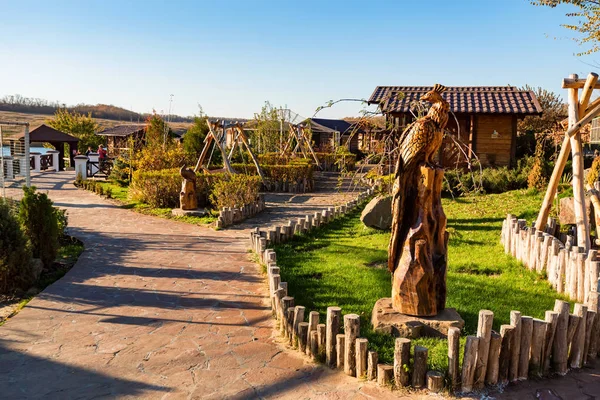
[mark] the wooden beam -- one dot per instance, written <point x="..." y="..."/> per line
<point x="242" y="136"/>
<point x="212" y="127"/>
<point x="576" y="83"/>
<point x="586" y="93"/>
<point x="581" y="218"/>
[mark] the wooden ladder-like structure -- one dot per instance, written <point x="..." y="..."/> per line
<point x="581" y="112"/>
<point x="298" y="135"/>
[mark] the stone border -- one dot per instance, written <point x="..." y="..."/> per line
<point x="233" y="215"/>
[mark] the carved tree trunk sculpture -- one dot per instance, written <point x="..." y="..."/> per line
<point x="187" y="196"/>
<point x="419" y="280"/>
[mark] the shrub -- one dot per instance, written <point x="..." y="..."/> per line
<point x="594" y="173"/>
<point x="235" y="190"/>
<point x="537" y="176"/>
<point x="15" y="253"/>
<point x="120" y="172"/>
<point x="156" y="158"/>
<point x="41" y="224"/>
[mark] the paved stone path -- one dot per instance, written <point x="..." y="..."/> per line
<point x="154" y="309"/>
<point x="160" y="309"/>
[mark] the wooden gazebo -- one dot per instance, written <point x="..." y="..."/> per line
<point x="47" y="134"/>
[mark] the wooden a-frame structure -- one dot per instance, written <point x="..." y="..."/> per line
<point x="216" y="136"/>
<point x="581" y="112"/>
<point x="302" y="143"/>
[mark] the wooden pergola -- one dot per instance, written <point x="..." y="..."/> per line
<point x="581" y="112"/>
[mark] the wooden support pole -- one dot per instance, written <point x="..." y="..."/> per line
<point x="513" y="372"/>
<point x="286" y="304"/>
<point x="302" y="336"/>
<point x="586" y="93"/>
<point x="574" y="321"/>
<point x="401" y="361"/>
<point x="484" y="333"/>
<point x="298" y="318"/>
<point x="589" y="325"/>
<point x="538" y="342"/>
<point x="506" y="332"/>
<point x="469" y="363"/>
<point x="491" y="375"/>
<point x="314" y="344"/>
<point x="578" y="345"/>
<point x="593" y="304"/>
<point x="435" y="381"/>
<point x="385" y="375"/>
<point x="526" y="334"/>
<point x="340" y="344"/>
<point x="362" y="345"/>
<point x="334" y="316"/>
<point x="560" y="345"/>
<point x="321" y="333"/>
<point x="351" y="330"/>
<point x="313" y="321"/>
<point x="372" y="359"/>
<point x="552" y="321"/>
<point x="580" y="265"/>
<point x="290" y="325"/>
<point x="453" y="356"/>
<point x="419" y="367"/>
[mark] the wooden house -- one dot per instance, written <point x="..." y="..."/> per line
<point x="485" y="118"/>
<point x="120" y="137"/>
<point x="328" y="134"/>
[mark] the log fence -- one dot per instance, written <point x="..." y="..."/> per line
<point x="233" y="215"/>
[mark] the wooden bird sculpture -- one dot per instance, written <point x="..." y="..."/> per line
<point x="187" y="196"/>
<point x="418" y="144"/>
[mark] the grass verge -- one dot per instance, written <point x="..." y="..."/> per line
<point x="345" y="264"/>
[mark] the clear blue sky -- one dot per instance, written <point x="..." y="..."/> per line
<point x="231" y="56"/>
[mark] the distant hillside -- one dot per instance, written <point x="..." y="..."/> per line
<point x="29" y="105"/>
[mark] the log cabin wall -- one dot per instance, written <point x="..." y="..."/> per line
<point x="494" y="139"/>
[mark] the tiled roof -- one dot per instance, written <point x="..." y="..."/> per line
<point x="332" y="125"/>
<point x="462" y="99"/>
<point x="45" y="133"/>
<point x="122" y="130"/>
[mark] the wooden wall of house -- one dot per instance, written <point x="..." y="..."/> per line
<point x="494" y="151"/>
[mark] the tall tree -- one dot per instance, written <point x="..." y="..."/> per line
<point x="553" y="111"/>
<point x="82" y="126"/>
<point x="586" y="21"/>
<point x="193" y="140"/>
<point x="267" y="133"/>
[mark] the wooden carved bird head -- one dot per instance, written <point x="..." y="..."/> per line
<point x="434" y="95"/>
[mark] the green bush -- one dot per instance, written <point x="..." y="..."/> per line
<point x="15" y="252"/>
<point x="41" y="223"/>
<point x="235" y="190"/>
<point x="489" y="180"/>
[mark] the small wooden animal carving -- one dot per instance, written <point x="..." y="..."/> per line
<point x="187" y="196"/>
<point x="417" y="249"/>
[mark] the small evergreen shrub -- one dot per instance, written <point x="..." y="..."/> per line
<point x="41" y="224"/>
<point x="15" y="252"/>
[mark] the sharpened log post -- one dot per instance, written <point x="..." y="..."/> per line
<point x="560" y="347"/>
<point x="302" y="336"/>
<point x="334" y="316"/>
<point x="362" y="345"/>
<point x="351" y="330"/>
<point x="313" y="321"/>
<point x="372" y="359"/>
<point x="469" y="363"/>
<point x="435" y="381"/>
<point x="340" y="340"/>
<point x="453" y="356"/>
<point x="419" y="367"/>
<point x="590" y="319"/>
<point x="515" y="320"/>
<point x="551" y="319"/>
<point x="491" y="375"/>
<point x="314" y="344"/>
<point x="574" y="321"/>
<point x="578" y="344"/>
<point x="526" y="335"/>
<point x="593" y="304"/>
<point x="538" y="342"/>
<point x="484" y="332"/>
<point x="385" y="374"/>
<point x="286" y="304"/>
<point x="581" y="277"/>
<point x="401" y="361"/>
<point x="507" y="334"/>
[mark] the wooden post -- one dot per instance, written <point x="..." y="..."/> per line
<point x="469" y="363"/>
<point x="286" y="304"/>
<point x="419" y="367"/>
<point x="453" y="356"/>
<point x="560" y="270"/>
<point x="340" y="340"/>
<point x="526" y="334"/>
<point x="593" y="304"/>
<point x="589" y="325"/>
<point x="560" y="345"/>
<point x="574" y="321"/>
<point x="491" y="375"/>
<point x="401" y="361"/>
<point x="298" y="318"/>
<point x="372" y="359"/>
<point x="291" y="312"/>
<point x="302" y="336"/>
<point x="578" y="345"/>
<point x="506" y="332"/>
<point x="351" y="330"/>
<point x="361" y="357"/>
<point x="552" y="321"/>
<point x="314" y="344"/>
<point x="334" y="316"/>
<point x="435" y="381"/>
<point x="385" y="374"/>
<point x="484" y="332"/>
<point x="538" y="342"/>
<point x="321" y="333"/>
<point x="515" y="320"/>
<point x="313" y="321"/>
<point x="581" y="277"/>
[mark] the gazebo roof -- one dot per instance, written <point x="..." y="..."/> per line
<point x="44" y="133"/>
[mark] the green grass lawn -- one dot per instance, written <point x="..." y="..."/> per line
<point x="121" y="194"/>
<point x="345" y="264"/>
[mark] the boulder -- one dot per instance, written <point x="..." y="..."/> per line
<point x="378" y="213"/>
<point x="566" y="215"/>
